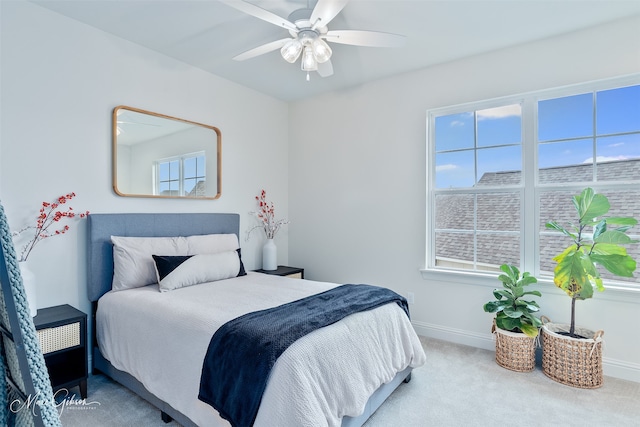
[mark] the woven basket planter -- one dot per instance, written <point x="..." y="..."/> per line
<point x="572" y="361"/>
<point x="514" y="350"/>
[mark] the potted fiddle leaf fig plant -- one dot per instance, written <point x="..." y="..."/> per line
<point x="596" y="241"/>
<point x="515" y="325"/>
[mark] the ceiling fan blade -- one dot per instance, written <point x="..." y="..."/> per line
<point x="136" y="123"/>
<point x="260" y="13"/>
<point x="325" y="69"/>
<point x="365" y="38"/>
<point x="325" y="11"/>
<point x="260" y="50"/>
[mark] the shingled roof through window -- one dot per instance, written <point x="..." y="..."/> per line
<point x="501" y="212"/>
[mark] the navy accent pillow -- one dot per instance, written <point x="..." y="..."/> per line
<point x="242" y="272"/>
<point x="179" y="271"/>
<point x="166" y="264"/>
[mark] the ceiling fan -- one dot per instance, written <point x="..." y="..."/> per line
<point x="308" y="30"/>
<point x="120" y="130"/>
<point x="128" y="121"/>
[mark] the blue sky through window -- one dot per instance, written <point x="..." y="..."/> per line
<point x="469" y="145"/>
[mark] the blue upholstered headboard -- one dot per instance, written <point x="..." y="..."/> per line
<point x="103" y="226"/>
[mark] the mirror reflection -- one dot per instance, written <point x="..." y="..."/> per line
<point x="162" y="156"/>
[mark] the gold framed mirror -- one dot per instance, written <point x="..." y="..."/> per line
<point x="162" y="156"/>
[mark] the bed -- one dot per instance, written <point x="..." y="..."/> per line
<point x="154" y="342"/>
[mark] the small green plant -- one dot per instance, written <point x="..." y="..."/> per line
<point x="514" y="313"/>
<point x="576" y="272"/>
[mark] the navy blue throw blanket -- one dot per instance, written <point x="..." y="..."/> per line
<point x="243" y="351"/>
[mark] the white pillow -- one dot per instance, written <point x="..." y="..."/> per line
<point x="133" y="264"/>
<point x="174" y="272"/>
<point x="212" y="243"/>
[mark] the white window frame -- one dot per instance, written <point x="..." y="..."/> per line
<point x="181" y="159"/>
<point x="529" y="214"/>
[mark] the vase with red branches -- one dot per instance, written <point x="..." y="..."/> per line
<point x="270" y="225"/>
<point x="49" y="222"/>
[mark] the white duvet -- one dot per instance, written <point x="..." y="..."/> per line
<point x="161" y="338"/>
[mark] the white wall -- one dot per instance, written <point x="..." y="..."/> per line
<point x="357" y="183"/>
<point x="350" y="176"/>
<point x="60" y="82"/>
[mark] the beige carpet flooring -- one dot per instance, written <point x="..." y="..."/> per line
<point x="459" y="386"/>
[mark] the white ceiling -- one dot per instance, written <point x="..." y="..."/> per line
<point x="208" y="34"/>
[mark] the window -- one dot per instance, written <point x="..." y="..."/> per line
<point x="181" y="176"/>
<point x="478" y="164"/>
<point x="499" y="170"/>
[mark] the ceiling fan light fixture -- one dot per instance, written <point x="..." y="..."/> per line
<point x="291" y="50"/>
<point x="321" y="50"/>
<point x="309" y="29"/>
<point x="309" y="62"/>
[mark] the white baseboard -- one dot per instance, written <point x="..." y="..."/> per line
<point x="458" y="336"/>
<point x="612" y="367"/>
<point x="621" y="369"/>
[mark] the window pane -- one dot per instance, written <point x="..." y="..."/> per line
<point x="174" y="169"/>
<point x="497" y="249"/>
<point x="164" y="188"/>
<point x="550" y="246"/>
<point x="499" y="126"/>
<point x="569" y="161"/>
<point x="624" y="170"/>
<point x="455" y="170"/>
<point x="454" y="132"/>
<point x="494" y="211"/>
<point x="558" y="206"/>
<point x="555" y="206"/>
<point x="499" y="166"/>
<point x="200" y="166"/>
<point x="565" y="153"/>
<point x="189" y="185"/>
<point x="568" y="117"/>
<point x="626" y="203"/>
<point x="169" y="188"/>
<point x="189" y="167"/>
<point x="454" y="250"/>
<point x="499" y="212"/>
<point x="622" y="148"/>
<point x="200" y="189"/>
<point x="174" y="188"/>
<point x="618" y="110"/>
<point x="163" y="173"/>
<point x="454" y="212"/>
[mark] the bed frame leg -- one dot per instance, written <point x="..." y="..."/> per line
<point x="166" y="418"/>
<point x="407" y="379"/>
